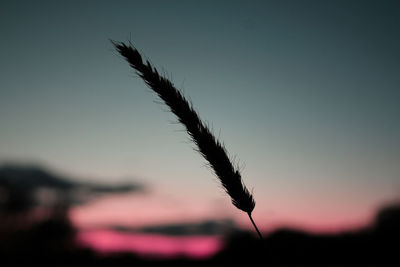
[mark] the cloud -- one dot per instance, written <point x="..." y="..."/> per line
<point x="203" y="228"/>
<point x="23" y="187"/>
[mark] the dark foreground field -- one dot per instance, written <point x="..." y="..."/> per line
<point x="51" y="242"/>
<point x="26" y="241"/>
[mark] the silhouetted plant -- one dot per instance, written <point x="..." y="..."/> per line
<point x="207" y="145"/>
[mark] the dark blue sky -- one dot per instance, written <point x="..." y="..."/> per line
<point x="305" y="93"/>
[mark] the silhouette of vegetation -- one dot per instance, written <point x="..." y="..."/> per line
<point x="372" y="246"/>
<point x="207" y="145"/>
<point x="25" y="241"/>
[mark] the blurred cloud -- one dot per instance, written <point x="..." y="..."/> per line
<point x="203" y="228"/>
<point x="25" y="186"/>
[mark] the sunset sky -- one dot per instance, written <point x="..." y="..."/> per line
<point x="304" y="94"/>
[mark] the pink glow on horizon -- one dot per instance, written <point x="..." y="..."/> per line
<point x="318" y="223"/>
<point x="137" y="210"/>
<point x="151" y="245"/>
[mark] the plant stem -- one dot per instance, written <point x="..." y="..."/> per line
<point x="255" y="226"/>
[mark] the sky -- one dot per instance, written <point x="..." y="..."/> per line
<point x="304" y="94"/>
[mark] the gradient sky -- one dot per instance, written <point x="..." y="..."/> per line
<point x="305" y="94"/>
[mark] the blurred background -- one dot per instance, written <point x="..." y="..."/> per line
<point x="304" y="96"/>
